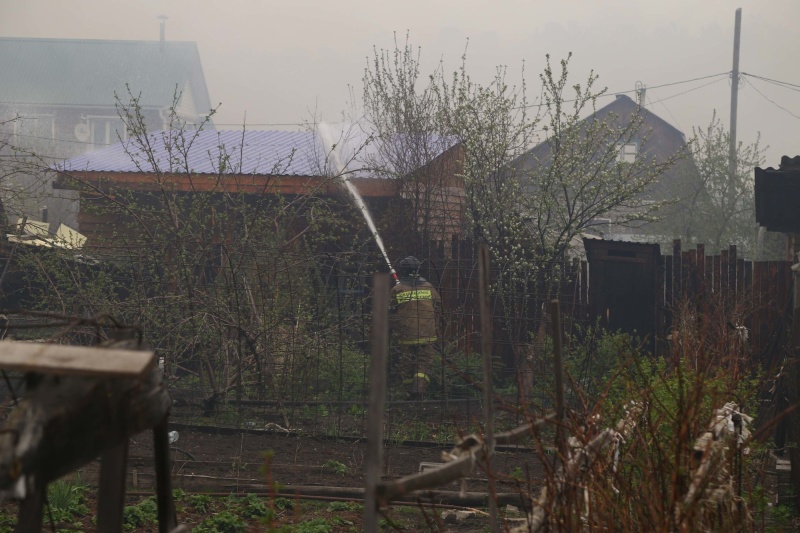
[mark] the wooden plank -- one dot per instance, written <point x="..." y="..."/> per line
<point x="668" y="266"/>
<point x="677" y="288"/>
<point x="693" y="281"/>
<point x="740" y="273"/>
<point x="700" y="277"/>
<point x="723" y="272"/>
<point x="584" y="282"/>
<point x="732" y="269"/>
<point x="74" y="360"/>
<point x="685" y="265"/>
<point x="755" y="287"/>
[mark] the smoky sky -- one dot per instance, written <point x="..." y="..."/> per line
<point x="277" y="63"/>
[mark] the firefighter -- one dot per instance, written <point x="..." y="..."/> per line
<point x="415" y="306"/>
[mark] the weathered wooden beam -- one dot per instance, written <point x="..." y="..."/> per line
<point x="65" y="422"/>
<point x="468" y="453"/>
<point x="74" y="360"/>
<point x="30" y="510"/>
<point x="111" y="492"/>
<point x="377" y="399"/>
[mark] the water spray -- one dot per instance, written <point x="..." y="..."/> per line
<point x="329" y="144"/>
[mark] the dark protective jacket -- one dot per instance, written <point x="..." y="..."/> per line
<point x="414" y="305"/>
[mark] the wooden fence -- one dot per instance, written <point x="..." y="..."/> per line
<point x="757" y="293"/>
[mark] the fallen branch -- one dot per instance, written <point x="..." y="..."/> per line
<point x="461" y="461"/>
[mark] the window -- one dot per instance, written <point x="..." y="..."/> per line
<point x="32" y="128"/>
<point x="626" y="153"/>
<point x="106" y="130"/>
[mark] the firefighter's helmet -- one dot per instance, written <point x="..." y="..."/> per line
<point x="409" y="267"/>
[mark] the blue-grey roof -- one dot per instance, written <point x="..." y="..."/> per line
<point x="84" y="72"/>
<point x="284" y="153"/>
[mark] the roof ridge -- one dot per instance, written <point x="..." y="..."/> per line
<point x="98" y="41"/>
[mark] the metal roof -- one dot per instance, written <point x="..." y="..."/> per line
<point x="86" y="72"/>
<point x="252" y="152"/>
<point x="284" y="153"/>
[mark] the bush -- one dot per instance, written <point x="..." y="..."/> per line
<point x="144" y="513"/>
<point x="222" y="522"/>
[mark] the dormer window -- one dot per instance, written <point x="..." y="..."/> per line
<point x="626" y="153"/>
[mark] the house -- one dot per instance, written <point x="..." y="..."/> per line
<point x="66" y="89"/>
<point x="654" y="139"/>
<point x="58" y="99"/>
<point x="259" y="165"/>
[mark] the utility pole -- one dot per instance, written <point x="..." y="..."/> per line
<point x="737" y="32"/>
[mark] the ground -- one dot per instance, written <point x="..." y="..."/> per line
<point x="210" y="465"/>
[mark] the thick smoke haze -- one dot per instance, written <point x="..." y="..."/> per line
<point x="275" y="63"/>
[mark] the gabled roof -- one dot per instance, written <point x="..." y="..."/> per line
<point x="622" y="108"/>
<point x="84" y="72"/>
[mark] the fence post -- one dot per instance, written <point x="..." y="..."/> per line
<point x="488" y="396"/>
<point x="561" y="430"/>
<point x="377" y="398"/>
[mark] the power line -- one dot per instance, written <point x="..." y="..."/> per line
<point x="776" y="104"/>
<point x="688" y="91"/>
<point x="784" y="84"/>
<point x="609" y="93"/>
<point x="668" y="111"/>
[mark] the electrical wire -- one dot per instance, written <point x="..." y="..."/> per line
<point x="610" y="93"/>
<point x="668" y="111"/>
<point x="773" y="102"/>
<point x="784" y="84"/>
<point x="260" y="124"/>
<point x="688" y="91"/>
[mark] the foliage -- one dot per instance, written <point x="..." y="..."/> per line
<point x="8" y="522"/>
<point x="721" y="209"/>
<point x="222" y="522"/>
<point x="594" y="355"/>
<point x="283" y="503"/>
<point x="661" y="470"/>
<point x="200" y="502"/>
<point x="316" y="525"/>
<point x="254" y="507"/>
<point x="230" y="287"/>
<point x="526" y="206"/>
<point x="144" y="513"/>
<point x="67" y="500"/>
<point x="336" y="467"/>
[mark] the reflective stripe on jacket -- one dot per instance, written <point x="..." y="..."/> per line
<point x="413" y="319"/>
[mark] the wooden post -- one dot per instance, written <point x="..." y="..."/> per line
<point x="111" y="491"/>
<point x="558" y="369"/>
<point x="488" y="396"/>
<point x="167" y="520"/>
<point x="561" y="431"/>
<point x="30" y="509"/>
<point x="377" y="398"/>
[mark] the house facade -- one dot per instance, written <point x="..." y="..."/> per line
<point x="654" y="139"/>
<point x="59" y="98"/>
<point x="254" y="166"/>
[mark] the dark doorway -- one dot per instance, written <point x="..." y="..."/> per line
<point x="622" y="286"/>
